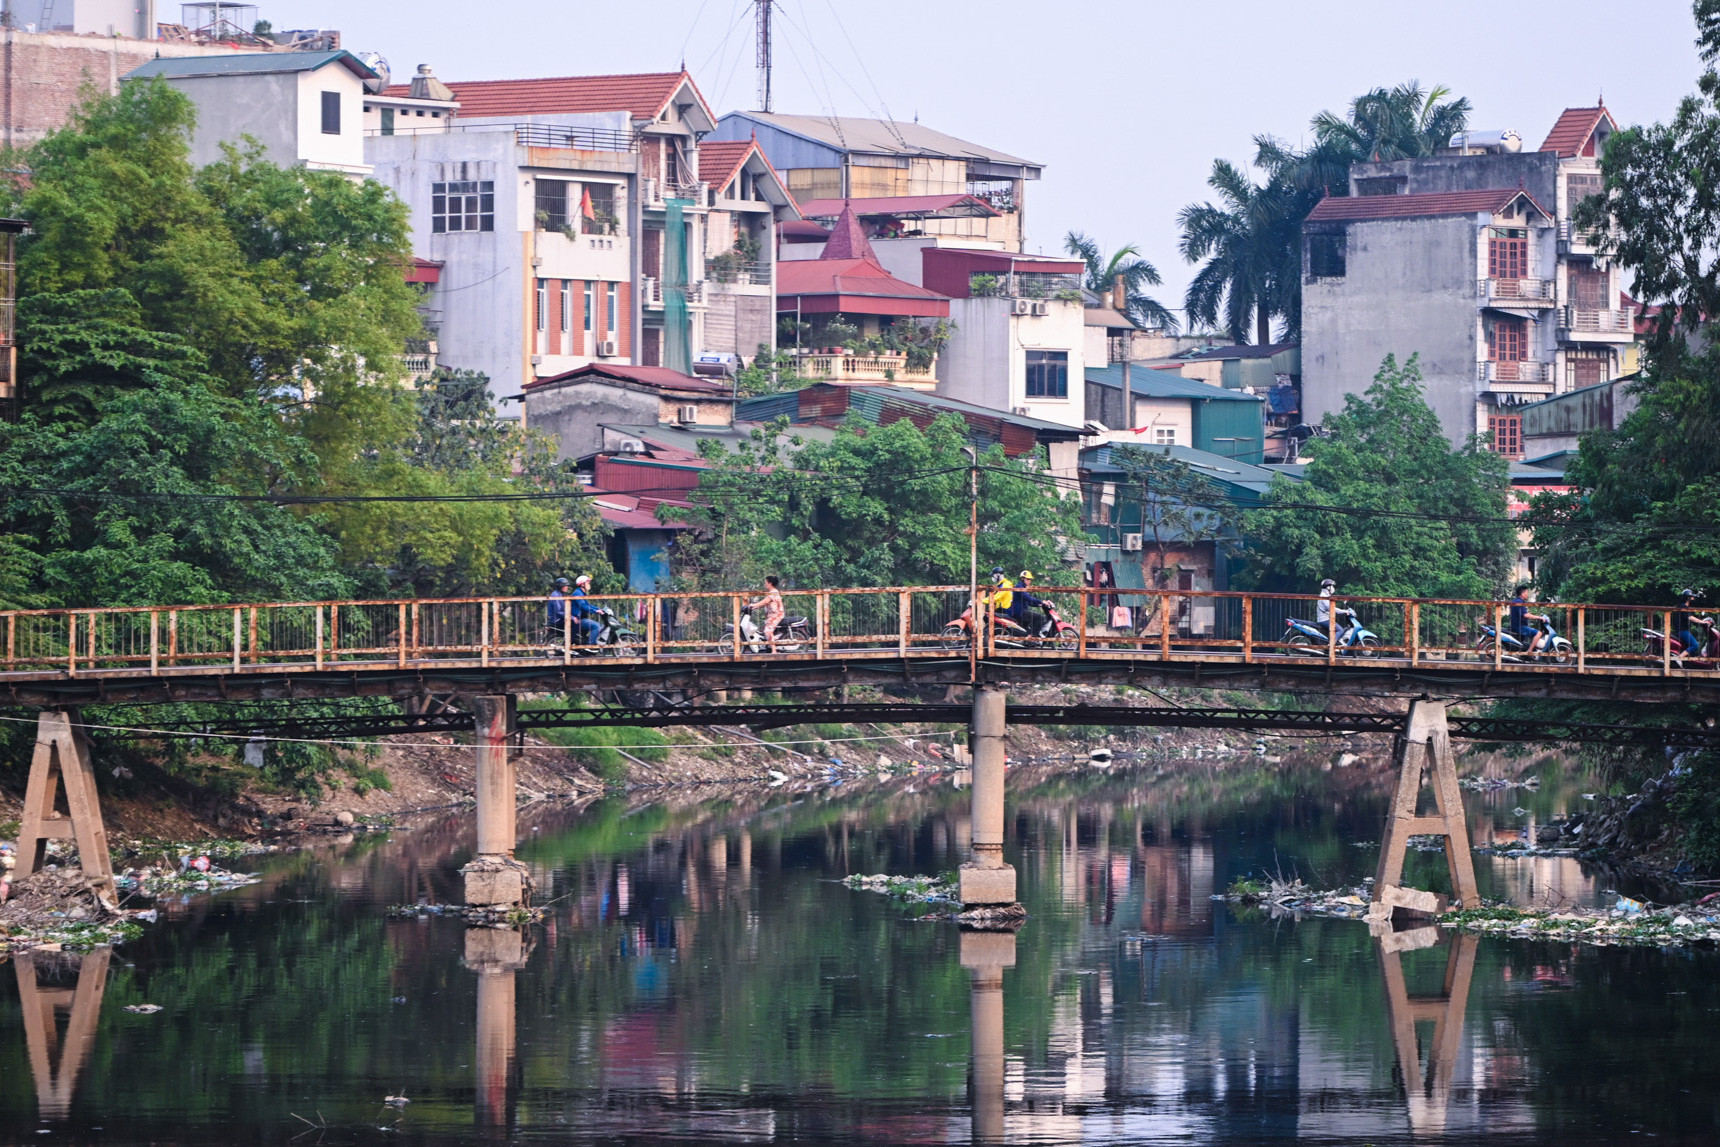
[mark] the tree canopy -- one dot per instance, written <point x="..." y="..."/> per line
<point x="1386" y="506"/>
<point x="1126" y="263"/>
<point x="875" y="505"/>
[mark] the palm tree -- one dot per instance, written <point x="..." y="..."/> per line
<point x="1252" y="247"/>
<point x="1135" y="271"/>
<point x="1384" y="124"/>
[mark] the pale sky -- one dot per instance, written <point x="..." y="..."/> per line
<point x="1125" y="102"/>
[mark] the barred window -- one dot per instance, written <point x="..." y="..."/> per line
<point x="464" y="205"/>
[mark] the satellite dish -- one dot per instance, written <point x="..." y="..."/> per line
<point x="377" y="63"/>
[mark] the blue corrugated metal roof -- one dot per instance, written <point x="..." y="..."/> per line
<point x="1150" y="383"/>
<point x="1243" y="475"/>
<point x="249" y="63"/>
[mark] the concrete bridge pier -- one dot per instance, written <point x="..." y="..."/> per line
<point x="986" y="955"/>
<point x="494" y="879"/>
<point x="985" y="881"/>
<point x="56" y="1063"/>
<point x="1424" y="755"/>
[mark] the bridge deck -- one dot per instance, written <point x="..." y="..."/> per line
<point x="1232" y="640"/>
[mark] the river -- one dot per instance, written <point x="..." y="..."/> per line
<point x="700" y="977"/>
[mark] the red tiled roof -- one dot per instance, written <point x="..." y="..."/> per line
<point x="660" y="377"/>
<point x="901" y="207"/>
<point x="1349" y="207"/>
<point x="720" y="159"/>
<point x="847" y="241"/>
<point x="1574" y="128"/>
<point x="644" y="94"/>
<point x="863" y="278"/>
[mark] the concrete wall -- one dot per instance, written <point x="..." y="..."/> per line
<point x="343" y="152"/>
<point x="1537" y="172"/>
<point x="283" y="112"/>
<point x="985" y="361"/>
<point x="1155" y="414"/>
<point x="483" y="294"/>
<point x="1409" y="288"/>
<point x="43" y="75"/>
<point x="572" y="414"/>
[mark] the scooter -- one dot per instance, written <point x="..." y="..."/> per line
<point x="1514" y="648"/>
<point x="1707" y="656"/>
<point x="1308" y="639"/>
<point x="611" y="639"/>
<point x="1011" y="634"/>
<point x="792" y="634"/>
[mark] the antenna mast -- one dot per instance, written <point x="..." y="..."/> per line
<point x="763" y="54"/>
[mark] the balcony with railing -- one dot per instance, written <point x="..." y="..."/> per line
<point x="550" y="135"/>
<point x="1517" y="374"/>
<point x="1581" y="324"/>
<point x="1516" y="293"/>
<point x="655" y="192"/>
<point x="889" y="369"/>
<point x="651" y="293"/>
<point x="1573" y="240"/>
<point x="1026" y="285"/>
<point x="726" y="272"/>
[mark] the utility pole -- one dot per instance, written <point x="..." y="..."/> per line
<point x="973" y="561"/>
<point x="763" y="53"/>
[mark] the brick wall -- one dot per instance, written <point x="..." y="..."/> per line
<point x="43" y="74"/>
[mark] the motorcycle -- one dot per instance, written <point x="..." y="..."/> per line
<point x="612" y="637"/>
<point x="1515" y="648"/>
<point x="1011" y="634"/>
<point x="1707" y="655"/>
<point x="793" y="634"/>
<point x="1306" y="638"/>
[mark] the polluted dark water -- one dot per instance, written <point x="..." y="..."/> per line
<point x="700" y="977"/>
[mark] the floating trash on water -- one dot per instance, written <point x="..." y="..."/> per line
<point x="396" y="1100"/>
<point x="143" y="1009"/>
<point x="1628" y="906"/>
<point x="1519" y="811"/>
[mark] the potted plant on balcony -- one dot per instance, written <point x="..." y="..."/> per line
<point x="983" y="286"/>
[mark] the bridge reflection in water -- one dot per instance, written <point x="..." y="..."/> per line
<point x="57" y="1061"/>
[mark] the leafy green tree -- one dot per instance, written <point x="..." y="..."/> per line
<point x="1251" y="245"/>
<point x="1136" y="272"/>
<point x="1387" y="507"/>
<point x="876" y="505"/>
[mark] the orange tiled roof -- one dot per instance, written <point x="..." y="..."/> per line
<point x="644" y="94"/>
<point x="720" y="159"/>
<point x="1574" y="128"/>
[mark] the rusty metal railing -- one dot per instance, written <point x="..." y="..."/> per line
<point x="893" y="622"/>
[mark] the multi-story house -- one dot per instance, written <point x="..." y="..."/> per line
<point x="829" y="159"/>
<point x="578" y="220"/>
<point x="1470" y="259"/>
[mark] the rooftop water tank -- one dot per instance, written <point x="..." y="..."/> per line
<point x="1504" y="140"/>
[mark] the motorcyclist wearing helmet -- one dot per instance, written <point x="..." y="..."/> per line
<point x="555" y="610"/>
<point x="1003" y="591"/>
<point x="1681" y="623"/>
<point x="1025" y="603"/>
<point x="1518" y="620"/>
<point x="1328" y="607"/>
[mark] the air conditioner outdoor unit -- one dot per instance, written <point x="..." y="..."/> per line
<point x="1021" y="410"/>
<point x="1021" y="307"/>
<point x="1038" y="309"/>
<point x="689" y="413"/>
<point x="537" y="360"/>
<point x="632" y="446"/>
<point x="606" y="348"/>
<point x="1131" y="543"/>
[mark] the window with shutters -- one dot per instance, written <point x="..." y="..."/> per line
<point x="1507" y="432"/>
<point x="1507" y="253"/>
<point x="1587" y="368"/>
<point x="463" y="205"/>
<point x="1588" y="287"/>
<point x="590" y="310"/>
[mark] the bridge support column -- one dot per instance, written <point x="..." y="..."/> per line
<point x="1425" y="748"/>
<point x="986" y="881"/>
<point x="1428" y="1091"/>
<point x="494" y="879"/>
<point x="56" y="1064"/>
<point x="986" y="955"/>
<point x="62" y="757"/>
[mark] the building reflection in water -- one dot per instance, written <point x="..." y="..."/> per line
<point x="76" y="985"/>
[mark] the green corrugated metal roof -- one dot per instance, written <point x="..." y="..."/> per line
<point x="1246" y="477"/>
<point x="1150" y="383"/>
<point x="248" y="63"/>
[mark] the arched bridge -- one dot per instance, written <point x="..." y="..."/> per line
<point x="418" y="647"/>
